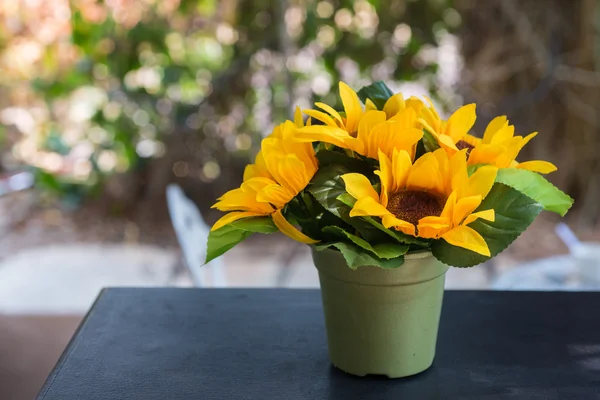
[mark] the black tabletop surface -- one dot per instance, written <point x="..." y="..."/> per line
<point x="145" y="344"/>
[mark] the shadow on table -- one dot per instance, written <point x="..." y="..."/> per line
<point x="423" y="386"/>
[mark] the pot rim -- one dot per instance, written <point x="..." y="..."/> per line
<point x="419" y="267"/>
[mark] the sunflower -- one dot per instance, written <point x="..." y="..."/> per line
<point x="432" y="198"/>
<point x="451" y="135"/>
<point x="499" y="147"/>
<point x="282" y="169"/>
<point x="366" y="131"/>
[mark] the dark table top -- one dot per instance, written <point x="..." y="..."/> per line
<point x="270" y="344"/>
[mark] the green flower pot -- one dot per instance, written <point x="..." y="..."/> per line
<point x="381" y="321"/>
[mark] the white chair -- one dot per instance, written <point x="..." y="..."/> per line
<point x="192" y="234"/>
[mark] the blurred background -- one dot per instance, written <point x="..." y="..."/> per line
<point x="104" y="104"/>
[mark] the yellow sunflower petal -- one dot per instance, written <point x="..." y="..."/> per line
<point x="486" y="154"/>
<point x="290" y="230"/>
<point x="368" y="206"/>
<point x="276" y="195"/>
<point x="401" y="164"/>
<point x="370" y="106"/>
<point x="432" y="109"/>
<point x="369" y="121"/>
<point x="293" y="173"/>
<point x="232" y="217"/>
<point x="255" y="171"/>
<point x="444" y="167"/>
<point x="425" y="175"/>
<point x="488" y="215"/>
<point x="406" y="140"/>
<point x="482" y="180"/>
<point x="258" y="169"/>
<point x="448" y="211"/>
<point x="512" y="147"/>
<point x="386" y="176"/>
<point x="468" y="238"/>
<point x="331" y="111"/>
<point x="464" y="207"/>
<point x="459" y="173"/>
<point x="298" y="119"/>
<point x="379" y="138"/>
<point x="352" y="107"/>
<point x="434" y="220"/>
<point x="359" y="187"/>
<point x="432" y="227"/>
<point x="503" y="134"/>
<point x="406" y="119"/>
<point x="327" y="134"/>
<point x="542" y="167"/>
<point x="461" y="122"/>
<point x="447" y="142"/>
<point x="427" y="126"/>
<point x="394" y="105"/>
<point x="494" y="126"/>
<point x="255" y="185"/>
<point x="321" y="116"/>
<point x="390" y="221"/>
<point x="415" y="103"/>
<point x="239" y="200"/>
<point x="527" y="139"/>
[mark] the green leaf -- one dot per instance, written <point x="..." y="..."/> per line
<point x="347" y="199"/>
<point x="225" y="238"/>
<point x="514" y="213"/>
<point x="382" y="250"/>
<point x="390" y="250"/>
<point x="312" y="216"/>
<point x="356" y="257"/>
<point x="377" y="92"/>
<point x="326" y="186"/>
<point x="537" y="187"/>
<point x="420" y="150"/>
<point x="429" y="141"/>
<point x="255" y="224"/>
<point x="331" y="157"/>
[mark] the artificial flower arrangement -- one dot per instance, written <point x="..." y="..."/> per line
<point x="387" y="185"/>
<point x="388" y="176"/>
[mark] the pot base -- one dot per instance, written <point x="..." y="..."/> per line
<point x="389" y="374"/>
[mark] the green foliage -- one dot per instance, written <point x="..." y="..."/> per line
<point x="377" y="92"/>
<point x="170" y="79"/>
<point x="537" y="187"/>
<point x="326" y="186"/>
<point x="352" y="164"/>
<point x="311" y="216"/>
<point x="381" y="250"/>
<point x="356" y="257"/>
<point x="514" y="213"/>
<point x="429" y="142"/>
<point x="223" y="239"/>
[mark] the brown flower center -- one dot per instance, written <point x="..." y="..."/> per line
<point x="461" y="144"/>
<point x="412" y="205"/>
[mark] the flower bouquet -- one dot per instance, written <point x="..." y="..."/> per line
<point x="388" y="194"/>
